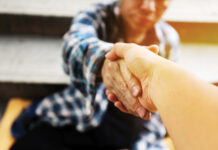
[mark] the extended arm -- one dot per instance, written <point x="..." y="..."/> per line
<point x="188" y="106"/>
<point x="84" y="54"/>
<point x="83" y="51"/>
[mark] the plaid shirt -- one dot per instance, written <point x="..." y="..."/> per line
<point x="83" y="103"/>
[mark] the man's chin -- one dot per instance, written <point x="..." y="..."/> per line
<point x="143" y="27"/>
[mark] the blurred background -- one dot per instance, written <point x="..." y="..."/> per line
<point x="31" y="36"/>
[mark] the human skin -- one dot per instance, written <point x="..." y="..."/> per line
<point x="138" y="16"/>
<point x="118" y="80"/>
<point x="187" y="105"/>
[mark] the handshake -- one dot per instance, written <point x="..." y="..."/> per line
<point x="128" y="77"/>
<point x="139" y="82"/>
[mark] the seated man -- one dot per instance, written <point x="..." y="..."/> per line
<point x="80" y="116"/>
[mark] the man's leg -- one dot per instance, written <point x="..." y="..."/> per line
<point x="43" y="137"/>
<point x="46" y="137"/>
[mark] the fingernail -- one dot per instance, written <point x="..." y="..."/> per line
<point x="135" y="90"/>
<point x="141" y="112"/>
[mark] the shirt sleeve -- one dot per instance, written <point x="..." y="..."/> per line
<point x="83" y="54"/>
<point x="83" y="51"/>
<point x="170" y="42"/>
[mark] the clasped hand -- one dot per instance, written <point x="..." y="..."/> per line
<point x="124" y="88"/>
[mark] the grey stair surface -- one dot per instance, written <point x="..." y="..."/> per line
<point x="196" y="20"/>
<point x="180" y="10"/>
<point x="201" y="59"/>
<point x="31" y="37"/>
<point x="30" y="66"/>
<point x="30" y="59"/>
<point x="34" y="25"/>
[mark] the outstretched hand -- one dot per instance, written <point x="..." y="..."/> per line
<point x="134" y="57"/>
<point x="123" y="85"/>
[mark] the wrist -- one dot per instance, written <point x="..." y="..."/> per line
<point x="161" y="83"/>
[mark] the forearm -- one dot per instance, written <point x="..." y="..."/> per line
<point x="188" y="106"/>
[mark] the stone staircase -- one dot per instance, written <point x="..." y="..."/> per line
<point x="31" y="42"/>
<point x="31" y="36"/>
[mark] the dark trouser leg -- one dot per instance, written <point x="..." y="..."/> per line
<point x="117" y="130"/>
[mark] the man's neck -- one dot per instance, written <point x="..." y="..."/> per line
<point x="134" y="35"/>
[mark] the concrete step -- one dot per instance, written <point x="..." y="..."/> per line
<point x="180" y="10"/>
<point x="196" y="20"/>
<point x="31" y="59"/>
<point x="201" y="59"/>
<point x="31" y="65"/>
<point x="41" y="17"/>
<point x="12" y="24"/>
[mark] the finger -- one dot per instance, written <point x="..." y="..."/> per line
<point x="120" y="106"/>
<point x="147" y="103"/>
<point x="154" y="48"/>
<point x="118" y="51"/>
<point x="148" y="116"/>
<point x="141" y="112"/>
<point x="111" y="55"/>
<point x="112" y="98"/>
<point x="132" y="82"/>
<point x="107" y="92"/>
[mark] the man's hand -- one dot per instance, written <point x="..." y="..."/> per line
<point x="141" y="62"/>
<point x="123" y="86"/>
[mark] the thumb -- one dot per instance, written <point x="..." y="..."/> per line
<point x="146" y="102"/>
<point x="118" y="51"/>
<point x="153" y="48"/>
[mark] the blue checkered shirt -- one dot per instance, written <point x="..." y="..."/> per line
<point x="83" y="103"/>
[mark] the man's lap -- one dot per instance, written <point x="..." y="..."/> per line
<point x="116" y="131"/>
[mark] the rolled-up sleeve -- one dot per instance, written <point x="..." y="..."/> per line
<point x="83" y="51"/>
